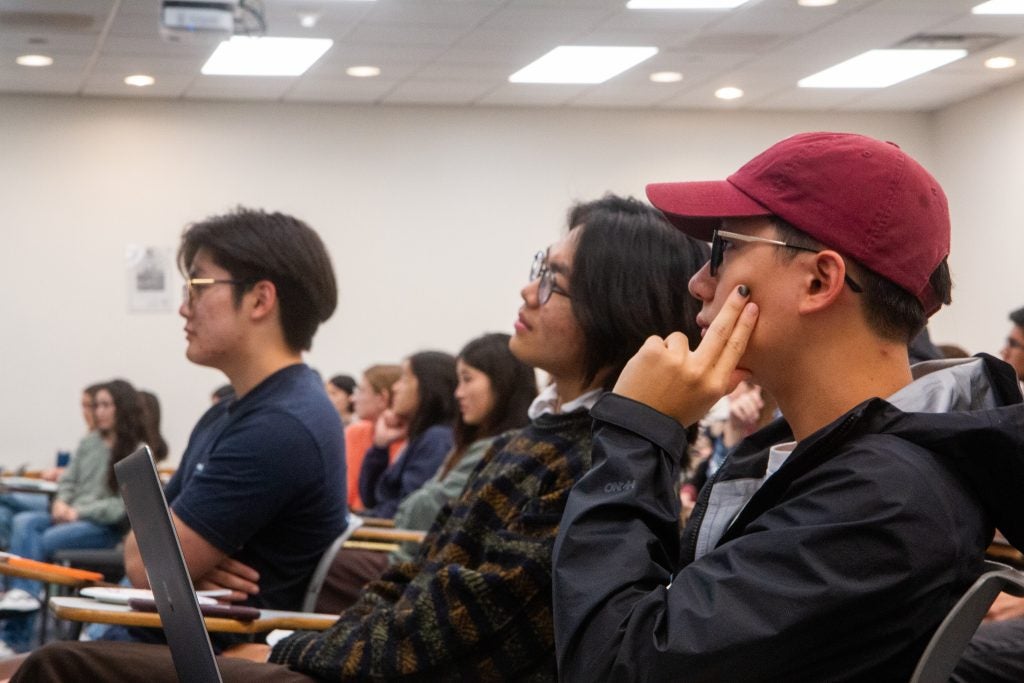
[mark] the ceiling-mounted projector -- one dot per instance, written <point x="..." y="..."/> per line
<point x="192" y="18"/>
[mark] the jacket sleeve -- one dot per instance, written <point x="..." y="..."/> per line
<point x="423" y="462"/>
<point x="374" y="463"/>
<point x="871" y="537"/>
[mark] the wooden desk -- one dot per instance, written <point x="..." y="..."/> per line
<point x="62" y="576"/>
<point x="386" y="535"/>
<point x="28" y="485"/>
<point x="94" y="611"/>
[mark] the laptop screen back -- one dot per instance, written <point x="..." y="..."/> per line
<point x="165" y="566"/>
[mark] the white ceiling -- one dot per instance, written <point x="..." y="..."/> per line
<point x="461" y="52"/>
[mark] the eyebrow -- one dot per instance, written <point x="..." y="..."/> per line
<point x="559" y="268"/>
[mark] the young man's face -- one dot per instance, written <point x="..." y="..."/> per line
<point x="1013" y="350"/>
<point x="548" y="336"/>
<point x="756" y="265"/>
<point x="214" y="326"/>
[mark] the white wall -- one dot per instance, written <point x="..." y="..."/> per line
<point x="980" y="151"/>
<point x="431" y="216"/>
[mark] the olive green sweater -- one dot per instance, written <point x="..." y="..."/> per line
<point x="84" y="487"/>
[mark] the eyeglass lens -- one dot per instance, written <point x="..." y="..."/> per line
<point x="539" y="269"/>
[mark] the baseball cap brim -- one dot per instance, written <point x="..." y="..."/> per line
<point x="696" y="207"/>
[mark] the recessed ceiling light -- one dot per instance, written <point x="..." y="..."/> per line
<point x="684" y="4"/>
<point x="999" y="7"/>
<point x="1000" y="62"/>
<point x="666" y="76"/>
<point x="363" y="71"/>
<point x="880" y="68"/>
<point x="34" y="60"/>
<point x="308" y="19"/>
<point x="249" y="56"/>
<point x="728" y="93"/>
<point x="582" y="64"/>
<point x="140" y="80"/>
<point x="816" y="3"/>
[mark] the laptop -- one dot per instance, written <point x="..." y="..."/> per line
<point x="172" y="588"/>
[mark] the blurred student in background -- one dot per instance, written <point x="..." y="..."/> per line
<point x="87" y="512"/>
<point x="340" y="389"/>
<point x="494" y="392"/>
<point x="371" y="397"/>
<point x="422" y="413"/>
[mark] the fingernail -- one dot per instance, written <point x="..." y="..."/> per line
<point x="743" y="290"/>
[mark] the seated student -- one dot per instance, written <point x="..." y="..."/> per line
<point x="422" y="414"/>
<point x="259" y="494"/>
<point x="87" y="511"/>
<point x="13" y="503"/>
<point x="372" y="396"/>
<point x="495" y="390"/>
<point x="475" y="602"/>
<point x="829" y="546"/>
<point x="340" y="389"/>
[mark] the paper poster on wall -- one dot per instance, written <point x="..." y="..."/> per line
<point x="149" y="274"/>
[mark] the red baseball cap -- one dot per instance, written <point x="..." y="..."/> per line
<point x="867" y="199"/>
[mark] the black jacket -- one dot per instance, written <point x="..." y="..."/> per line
<point x="839" y="568"/>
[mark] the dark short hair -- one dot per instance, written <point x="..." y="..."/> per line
<point x="629" y="281"/>
<point x="254" y="245"/>
<point x="435" y="374"/>
<point x="345" y="383"/>
<point x="1017" y="317"/>
<point x="513" y="383"/>
<point x="891" y="311"/>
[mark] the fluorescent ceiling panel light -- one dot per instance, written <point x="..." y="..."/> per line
<point x="880" y="68"/>
<point x="816" y="3"/>
<point x="248" y="56"/>
<point x="582" y="64"/>
<point x="999" y="7"/>
<point x="684" y="4"/>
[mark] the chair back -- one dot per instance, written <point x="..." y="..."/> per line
<point x="316" y="581"/>
<point x="948" y="643"/>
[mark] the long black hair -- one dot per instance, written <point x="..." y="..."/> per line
<point x="129" y="429"/>
<point x="149" y="404"/>
<point x="629" y="280"/>
<point x="435" y="375"/>
<point x="513" y="383"/>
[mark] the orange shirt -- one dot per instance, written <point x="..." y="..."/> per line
<point x="358" y="439"/>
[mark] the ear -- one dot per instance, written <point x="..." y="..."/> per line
<point x="262" y="299"/>
<point x="824" y="281"/>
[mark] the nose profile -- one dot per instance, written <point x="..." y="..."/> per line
<point x="529" y="292"/>
<point x="702" y="284"/>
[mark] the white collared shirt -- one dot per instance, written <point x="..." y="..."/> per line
<point x="547" y="402"/>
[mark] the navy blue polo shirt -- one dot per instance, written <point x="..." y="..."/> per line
<point x="263" y="480"/>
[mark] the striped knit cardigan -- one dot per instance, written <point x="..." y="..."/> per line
<point x="475" y="603"/>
